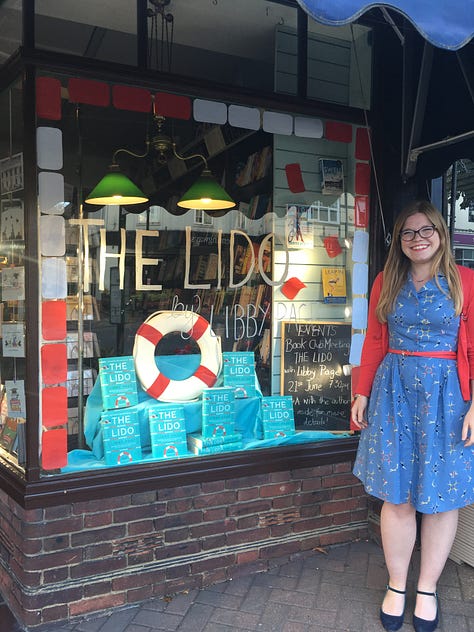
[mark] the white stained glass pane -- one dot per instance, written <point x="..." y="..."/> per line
<point x="360" y="278"/>
<point x="210" y="111"/>
<point x="308" y="127"/>
<point x="360" y="248"/>
<point x="49" y="148"/>
<point x="359" y="313"/>
<point x="51" y="193"/>
<point x="240" y="116"/>
<point x="278" y="123"/>
<point x="53" y="277"/>
<point x="356" y="348"/>
<point x="52" y="236"/>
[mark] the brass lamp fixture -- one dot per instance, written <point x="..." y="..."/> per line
<point x="115" y="188"/>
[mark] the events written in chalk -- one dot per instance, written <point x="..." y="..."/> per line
<point x="313" y="356"/>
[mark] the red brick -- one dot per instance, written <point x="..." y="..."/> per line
<point x="212" y="487"/>
<point x="142" y="526"/>
<point x="215" y="500"/>
<point x="55" y="544"/>
<point x="180" y="505"/>
<point x="213" y="577"/>
<point x="339" y="506"/>
<point x="243" y="570"/>
<point x="211" y="528"/>
<point x="51" y="560"/>
<point x="97" y="588"/>
<point x="278" y="550"/>
<point x="97" y="567"/>
<point x="140" y="594"/>
<point x="69" y="525"/>
<point x="53" y="513"/>
<point x="176" y="535"/>
<point x="130" y="581"/>
<point x="178" y="520"/>
<point x="99" y="550"/>
<point x="98" y="535"/>
<point x="217" y="513"/>
<point x="55" y="575"/>
<point x="129" y="514"/>
<point x="250" y="535"/>
<point x="177" y="550"/>
<point x="246" y="557"/>
<point x="179" y="584"/>
<point x="213" y="542"/>
<point x="139" y="558"/>
<point x="279" y="489"/>
<point x="283" y="502"/>
<point x="256" y="507"/>
<point x="92" y="521"/>
<point x="96" y="604"/>
<point x="282" y="477"/>
<point x="100" y="505"/>
<point x="247" y="494"/>
<point x="144" y="498"/>
<point x="55" y="613"/>
<point x="212" y="563"/>
<point x="278" y="530"/>
<point x="311" y="524"/>
<point x="339" y="480"/>
<point x="342" y="492"/>
<point x="310" y="484"/>
<point x="247" y="522"/>
<point x="337" y="537"/>
<point x="174" y="572"/>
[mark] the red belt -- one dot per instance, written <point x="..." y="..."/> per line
<point x="445" y="355"/>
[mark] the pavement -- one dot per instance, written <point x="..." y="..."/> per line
<point x="324" y="590"/>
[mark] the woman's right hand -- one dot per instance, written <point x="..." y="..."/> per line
<point x="358" y="411"/>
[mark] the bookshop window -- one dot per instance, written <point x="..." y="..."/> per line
<point x="171" y="333"/>
<point x="13" y="314"/>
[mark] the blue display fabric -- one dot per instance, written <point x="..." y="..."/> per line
<point x="444" y="23"/>
<point x="248" y="420"/>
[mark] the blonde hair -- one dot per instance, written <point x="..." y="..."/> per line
<point x="397" y="265"/>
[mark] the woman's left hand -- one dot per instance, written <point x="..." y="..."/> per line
<point x="467" y="434"/>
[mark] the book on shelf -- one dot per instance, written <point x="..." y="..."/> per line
<point x="199" y="442"/>
<point x="118" y="382"/>
<point x="90" y="347"/>
<point x="278" y="418"/>
<point x="218" y="411"/>
<point x="8" y="433"/>
<point x="167" y="431"/>
<point x="215" y="449"/>
<point x="72" y="383"/>
<point x="239" y="372"/>
<point x="121" y="436"/>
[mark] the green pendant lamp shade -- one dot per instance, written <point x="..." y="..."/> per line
<point x="115" y="188"/>
<point x="206" y="194"/>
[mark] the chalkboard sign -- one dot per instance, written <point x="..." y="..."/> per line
<point x="313" y="357"/>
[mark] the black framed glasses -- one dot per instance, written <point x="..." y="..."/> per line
<point x="425" y="232"/>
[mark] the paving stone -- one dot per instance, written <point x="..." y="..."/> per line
<point x="196" y="618"/>
<point x="239" y="620"/>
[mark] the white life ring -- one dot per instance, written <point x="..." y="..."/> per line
<point x="194" y="326"/>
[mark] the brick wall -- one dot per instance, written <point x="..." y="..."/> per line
<point x="75" y="559"/>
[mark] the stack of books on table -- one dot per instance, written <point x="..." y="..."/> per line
<point x="168" y="431"/>
<point x="278" y="416"/>
<point x="239" y="373"/>
<point x="218" y="423"/>
<point x="118" y="382"/>
<point x="121" y="434"/>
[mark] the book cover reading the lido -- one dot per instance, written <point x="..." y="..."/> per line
<point x="118" y="382"/>
<point x="215" y="449"/>
<point x="334" y="285"/>
<point x="278" y="418"/>
<point x="168" y="431"/>
<point x="218" y="411"/>
<point x="121" y="435"/>
<point x="239" y="372"/>
<point x="198" y="442"/>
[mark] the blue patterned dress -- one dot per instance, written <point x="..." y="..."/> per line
<point x="411" y="450"/>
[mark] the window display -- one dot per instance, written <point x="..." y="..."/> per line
<point x="161" y="327"/>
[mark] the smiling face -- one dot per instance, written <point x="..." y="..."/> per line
<point x="420" y="249"/>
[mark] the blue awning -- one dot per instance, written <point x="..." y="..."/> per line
<point x="447" y="24"/>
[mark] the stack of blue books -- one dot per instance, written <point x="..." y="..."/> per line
<point x="278" y="417"/>
<point x="218" y="417"/>
<point x="168" y="431"/>
<point x="118" y="382"/>
<point x="198" y="444"/>
<point x="121" y="434"/>
<point x="239" y="372"/>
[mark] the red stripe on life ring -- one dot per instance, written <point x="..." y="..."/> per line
<point x="150" y="333"/>
<point x="199" y="328"/>
<point x="205" y="375"/>
<point x="158" y="386"/>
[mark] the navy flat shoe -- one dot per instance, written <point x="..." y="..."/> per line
<point x="425" y="625"/>
<point x="391" y="622"/>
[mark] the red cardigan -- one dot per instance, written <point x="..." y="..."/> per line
<point x="376" y="340"/>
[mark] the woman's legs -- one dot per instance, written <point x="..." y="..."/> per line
<point x="398" y="530"/>
<point x="437" y="535"/>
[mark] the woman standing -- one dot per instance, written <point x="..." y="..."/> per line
<point x="413" y="405"/>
